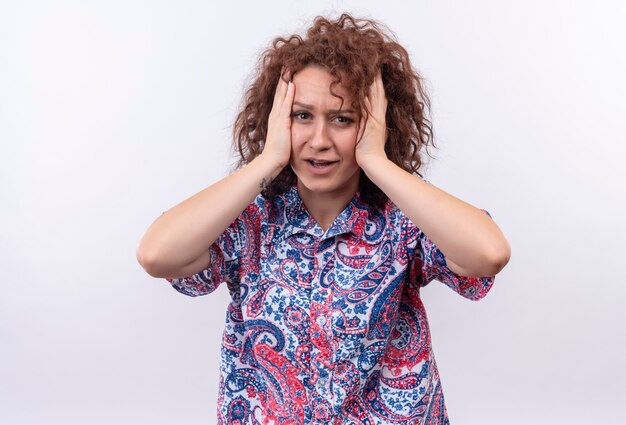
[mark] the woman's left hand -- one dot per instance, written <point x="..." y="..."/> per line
<point x="373" y="128"/>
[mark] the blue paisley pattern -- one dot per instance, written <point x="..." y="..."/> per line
<point x="327" y="327"/>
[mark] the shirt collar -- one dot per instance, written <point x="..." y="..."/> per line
<point x="294" y="217"/>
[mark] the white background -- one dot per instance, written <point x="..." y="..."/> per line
<point x="112" y="112"/>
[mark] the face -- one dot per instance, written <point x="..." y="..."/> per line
<point x="323" y="137"/>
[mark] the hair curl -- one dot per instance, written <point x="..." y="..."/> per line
<point x="353" y="51"/>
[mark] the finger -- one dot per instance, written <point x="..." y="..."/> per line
<point x="362" y="124"/>
<point x="378" y="98"/>
<point x="285" y="74"/>
<point x="288" y="100"/>
<point x="368" y="106"/>
<point x="281" y="90"/>
<point x="377" y="85"/>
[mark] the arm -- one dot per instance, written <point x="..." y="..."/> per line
<point x="177" y="243"/>
<point x="471" y="242"/>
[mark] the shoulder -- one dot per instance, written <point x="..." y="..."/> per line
<point x="401" y="228"/>
<point x="263" y="210"/>
<point x="394" y="217"/>
<point x="262" y="206"/>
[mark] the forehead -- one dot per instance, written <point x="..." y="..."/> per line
<point x="312" y="85"/>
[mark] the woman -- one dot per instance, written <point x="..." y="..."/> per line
<point x="325" y="235"/>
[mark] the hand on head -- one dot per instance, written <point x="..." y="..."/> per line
<point x="278" y="140"/>
<point x="373" y="128"/>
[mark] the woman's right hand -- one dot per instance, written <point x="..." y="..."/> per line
<point x="278" y="141"/>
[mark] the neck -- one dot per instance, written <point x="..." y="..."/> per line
<point x="325" y="207"/>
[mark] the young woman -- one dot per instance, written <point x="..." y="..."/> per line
<point x="325" y="236"/>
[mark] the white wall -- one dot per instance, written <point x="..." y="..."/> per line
<point x="113" y="111"/>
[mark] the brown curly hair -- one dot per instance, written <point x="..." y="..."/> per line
<point x="353" y="51"/>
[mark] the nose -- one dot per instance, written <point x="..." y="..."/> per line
<point x="320" y="138"/>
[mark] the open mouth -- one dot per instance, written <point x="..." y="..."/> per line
<point x="320" y="164"/>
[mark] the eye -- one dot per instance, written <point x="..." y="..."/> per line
<point x="301" y="115"/>
<point x="343" y="119"/>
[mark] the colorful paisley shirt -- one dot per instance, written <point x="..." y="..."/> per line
<point x="327" y="327"/>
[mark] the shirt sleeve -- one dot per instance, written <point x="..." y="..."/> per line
<point x="430" y="262"/>
<point x="224" y="262"/>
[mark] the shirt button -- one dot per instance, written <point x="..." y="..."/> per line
<point x="321" y="320"/>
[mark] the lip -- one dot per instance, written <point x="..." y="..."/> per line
<point x="320" y="170"/>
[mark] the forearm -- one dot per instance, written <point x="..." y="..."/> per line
<point x="179" y="239"/>
<point x="465" y="234"/>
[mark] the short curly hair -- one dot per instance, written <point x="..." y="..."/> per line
<point x="353" y="51"/>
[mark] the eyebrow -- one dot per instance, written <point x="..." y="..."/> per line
<point x="332" y="111"/>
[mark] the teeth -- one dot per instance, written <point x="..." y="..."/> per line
<point x="319" y="163"/>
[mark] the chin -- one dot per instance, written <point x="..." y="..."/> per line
<point x="328" y="188"/>
<point x="318" y="188"/>
<point x="328" y="185"/>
